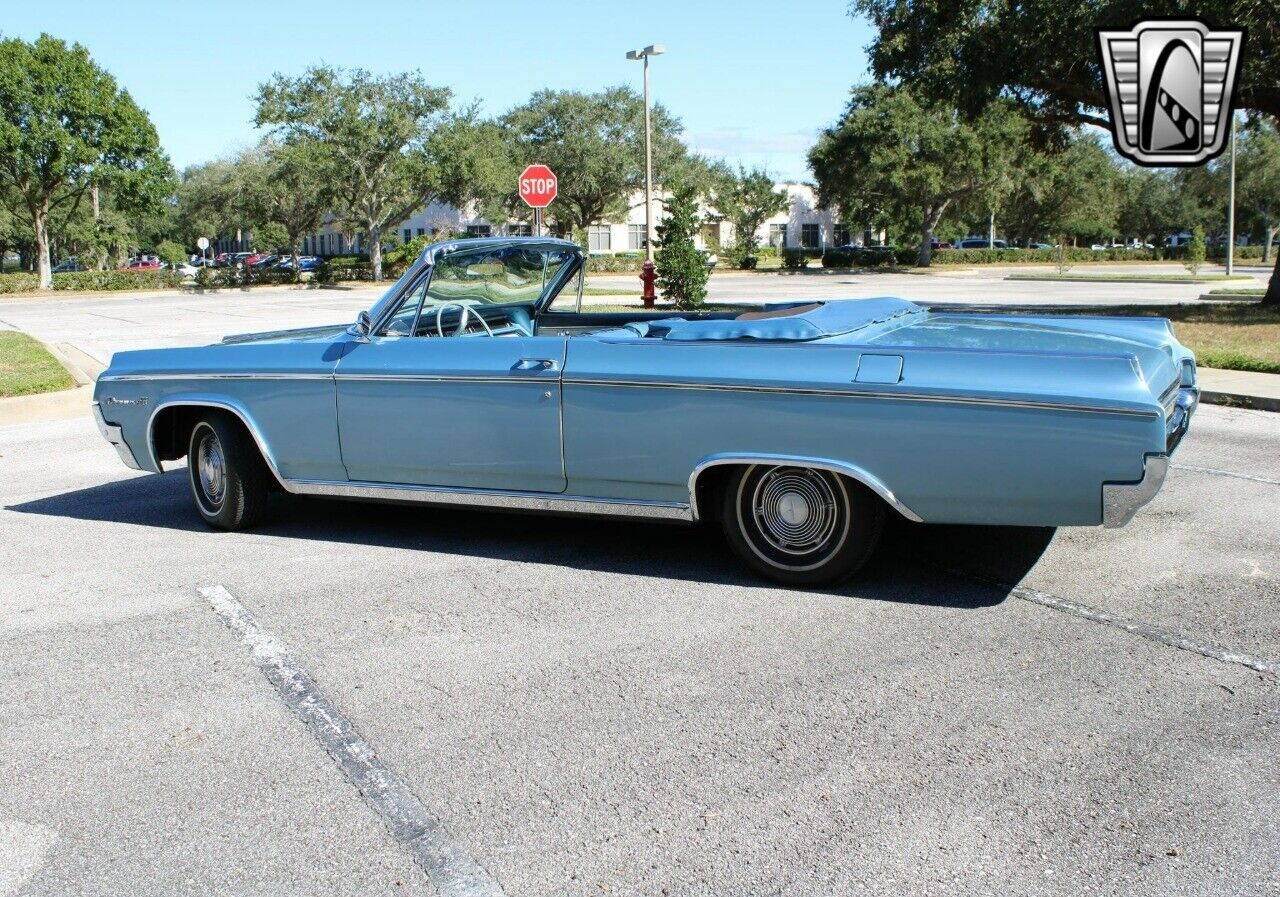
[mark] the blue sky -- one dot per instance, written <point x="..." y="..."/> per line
<point x="752" y="81"/>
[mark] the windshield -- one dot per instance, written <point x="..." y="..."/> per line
<point x="504" y="275"/>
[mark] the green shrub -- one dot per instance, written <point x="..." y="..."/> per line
<point x="768" y="251"/>
<point x="171" y="252"/>
<point x="98" y="281"/>
<point x="617" y="263"/>
<point x="1195" y="250"/>
<point x="748" y="262"/>
<point x="682" y="268"/>
<point x="794" y="259"/>
<point x="21" y="282"/>
<point x="867" y="257"/>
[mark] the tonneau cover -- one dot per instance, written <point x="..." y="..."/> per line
<point x="831" y="318"/>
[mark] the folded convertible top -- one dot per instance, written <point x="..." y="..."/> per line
<point x="811" y="322"/>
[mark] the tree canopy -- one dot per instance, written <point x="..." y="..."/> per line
<point x="895" y="156"/>
<point x="65" y="128"/>
<point x="747" y="198"/>
<point x="375" y="131"/>
<point x="594" y="142"/>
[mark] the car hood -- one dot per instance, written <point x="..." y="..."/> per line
<point x="328" y="332"/>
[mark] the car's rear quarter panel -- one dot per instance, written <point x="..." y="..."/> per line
<point x="964" y="437"/>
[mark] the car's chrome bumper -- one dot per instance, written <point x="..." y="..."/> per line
<point x="112" y="434"/>
<point x="1120" y="501"/>
<point x="1177" y="423"/>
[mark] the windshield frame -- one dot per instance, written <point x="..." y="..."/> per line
<point x="390" y="301"/>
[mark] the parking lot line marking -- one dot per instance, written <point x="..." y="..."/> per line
<point x="1150" y="631"/>
<point x="1226" y="473"/>
<point x="452" y="870"/>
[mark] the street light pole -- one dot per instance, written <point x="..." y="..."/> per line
<point x="1231" y="202"/>
<point x="648" y="166"/>
<point x="647" y="275"/>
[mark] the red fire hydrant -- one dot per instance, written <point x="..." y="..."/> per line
<point x="647" y="277"/>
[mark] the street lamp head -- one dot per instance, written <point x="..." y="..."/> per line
<point x="651" y="50"/>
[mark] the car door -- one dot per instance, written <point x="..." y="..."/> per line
<point x="468" y="411"/>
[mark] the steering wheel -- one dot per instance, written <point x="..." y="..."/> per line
<point x="462" y="319"/>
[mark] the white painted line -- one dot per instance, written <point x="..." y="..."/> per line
<point x="1150" y="631"/>
<point x="451" y="869"/>
<point x="1227" y="473"/>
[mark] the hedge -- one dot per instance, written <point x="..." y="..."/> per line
<point x="617" y="263"/>
<point x="102" y="281"/>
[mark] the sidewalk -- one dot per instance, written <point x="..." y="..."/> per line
<point x="1243" y="389"/>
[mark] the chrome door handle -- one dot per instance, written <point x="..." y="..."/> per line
<point x="535" y="364"/>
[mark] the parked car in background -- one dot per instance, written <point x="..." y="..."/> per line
<point x="478" y="380"/>
<point x="1040" y="246"/>
<point x="981" y="243"/>
<point x="305" y="263"/>
<point x="266" y="260"/>
<point x="66" y="267"/>
<point x="142" y="263"/>
<point x="186" y="269"/>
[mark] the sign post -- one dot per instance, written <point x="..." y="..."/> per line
<point x="203" y="245"/>
<point x="538" y="187"/>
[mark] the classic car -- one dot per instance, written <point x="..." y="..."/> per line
<point x="479" y="379"/>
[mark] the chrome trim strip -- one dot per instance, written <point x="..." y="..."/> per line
<point x="214" y="376"/>
<point x="871" y="481"/>
<point x="113" y="434"/>
<point x="498" y="499"/>
<point x="1120" y="501"/>
<point x="868" y="394"/>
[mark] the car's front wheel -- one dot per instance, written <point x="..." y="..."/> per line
<point x="228" y="477"/>
<point x="799" y="525"/>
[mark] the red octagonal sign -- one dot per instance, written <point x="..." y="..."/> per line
<point x="538" y="186"/>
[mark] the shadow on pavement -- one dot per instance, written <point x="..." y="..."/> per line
<point x="910" y="566"/>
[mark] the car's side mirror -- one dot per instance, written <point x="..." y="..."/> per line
<point x="363" y="324"/>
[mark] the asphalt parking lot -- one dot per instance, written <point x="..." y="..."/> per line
<point x="545" y="706"/>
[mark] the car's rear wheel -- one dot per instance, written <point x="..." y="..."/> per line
<point x="228" y="477"/>
<point x="800" y="525"/>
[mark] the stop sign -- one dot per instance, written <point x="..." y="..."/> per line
<point x="538" y="186"/>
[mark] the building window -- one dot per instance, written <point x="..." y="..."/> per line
<point x="635" y="236"/>
<point x="840" y="235"/>
<point x="422" y="232"/>
<point x="408" y="234"/>
<point x="599" y="238"/>
<point x="810" y="235"/>
<point x="478" y="230"/>
<point x="520" y="230"/>
<point x="777" y="235"/>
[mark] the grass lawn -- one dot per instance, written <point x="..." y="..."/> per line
<point x="1238" y="291"/>
<point x="1130" y="278"/>
<point x="1235" y="337"/>
<point x="27" y="368"/>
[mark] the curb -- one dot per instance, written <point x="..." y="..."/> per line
<point x="1240" y="400"/>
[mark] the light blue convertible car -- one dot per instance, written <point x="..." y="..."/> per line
<point x="479" y="380"/>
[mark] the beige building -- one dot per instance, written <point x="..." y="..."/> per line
<point x="802" y="224"/>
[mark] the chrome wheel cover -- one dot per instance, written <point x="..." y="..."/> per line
<point x="211" y="470"/>
<point x="795" y="518"/>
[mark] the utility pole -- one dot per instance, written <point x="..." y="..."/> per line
<point x="1231" y="202"/>
<point x="647" y="275"/>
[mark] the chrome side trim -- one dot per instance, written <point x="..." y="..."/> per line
<point x="113" y="435"/>
<point x="111" y="378"/>
<point x="1120" y="501"/>
<point x="866" y="478"/>
<point x="249" y="424"/>
<point x="493" y="498"/>
<point x="870" y="394"/>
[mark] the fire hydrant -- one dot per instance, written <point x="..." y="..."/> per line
<point x="647" y="277"/>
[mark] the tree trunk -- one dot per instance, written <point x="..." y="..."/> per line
<point x="44" y="270"/>
<point x="1269" y="230"/>
<point x="927" y="227"/>
<point x="297" y="266"/>
<point x="1272" y="296"/>
<point x="375" y="250"/>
